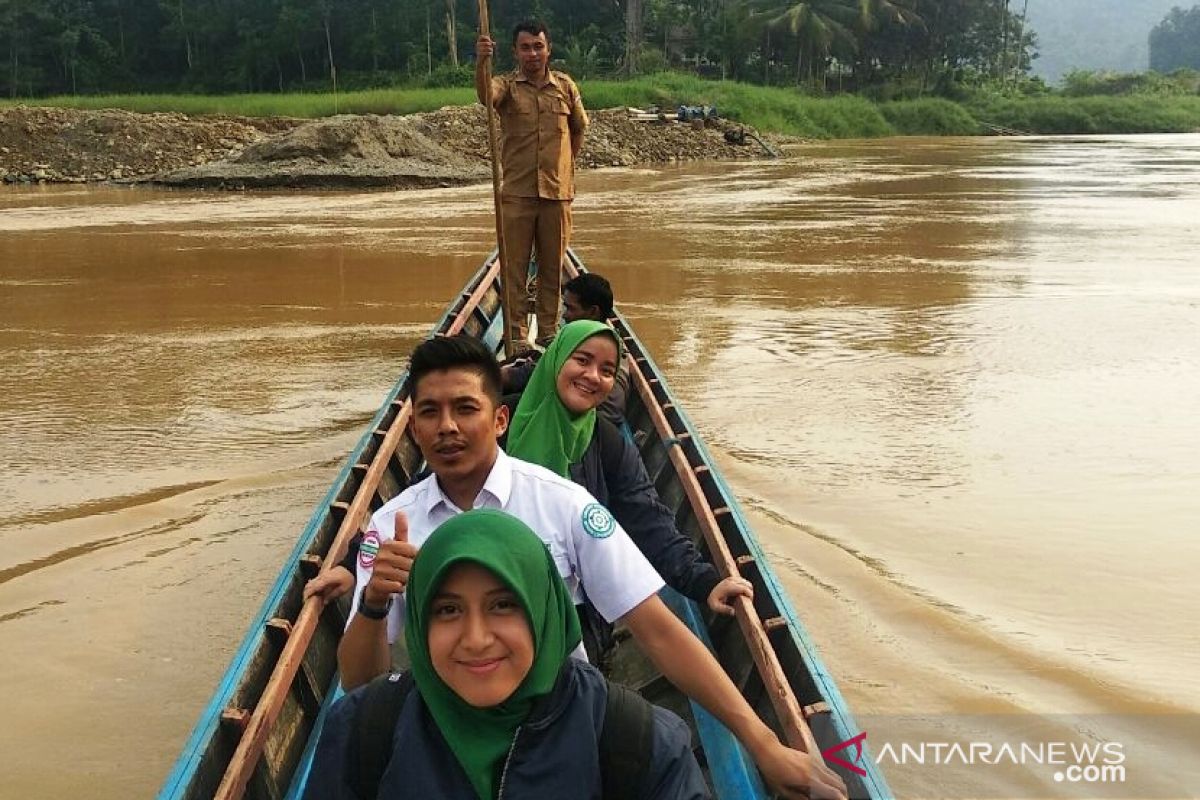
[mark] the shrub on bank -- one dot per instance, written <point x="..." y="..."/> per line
<point x="930" y="117"/>
<point x="1067" y="115"/>
<point x="763" y="107"/>
<point x="1091" y="83"/>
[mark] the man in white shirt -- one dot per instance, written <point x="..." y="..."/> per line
<point x="582" y="536"/>
<point x="455" y="421"/>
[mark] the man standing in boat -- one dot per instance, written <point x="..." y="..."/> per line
<point x="542" y="122"/>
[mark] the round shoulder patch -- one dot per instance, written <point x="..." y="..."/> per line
<point x="368" y="550"/>
<point x="597" y="521"/>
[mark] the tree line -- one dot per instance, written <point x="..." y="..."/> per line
<point x="1175" y="42"/>
<point x="217" y="46"/>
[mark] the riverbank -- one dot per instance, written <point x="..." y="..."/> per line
<point x="438" y="148"/>
<point x="773" y="110"/>
<point x="431" y="137"/>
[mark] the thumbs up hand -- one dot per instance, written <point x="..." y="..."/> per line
<point x="394" y="561"/>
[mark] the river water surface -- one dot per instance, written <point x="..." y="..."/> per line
<point x="954" y="382"/>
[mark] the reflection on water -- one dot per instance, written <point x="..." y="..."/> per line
<point x="952" y="380"/>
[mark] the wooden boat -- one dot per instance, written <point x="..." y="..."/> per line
<point x="257" y="735"/>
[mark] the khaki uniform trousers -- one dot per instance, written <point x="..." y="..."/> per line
<point x="530" y="221"/>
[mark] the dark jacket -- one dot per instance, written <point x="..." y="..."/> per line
<point x="555" y="753"/>
<point x="612" y="470"/>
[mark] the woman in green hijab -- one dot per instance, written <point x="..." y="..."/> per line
<point x="499" y="708"/>
<point x="490" y="624"/>
<point x="555" y="425"/>
<point x="556" y="418"/>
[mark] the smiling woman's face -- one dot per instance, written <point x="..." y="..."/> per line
<point x="480" y="643"/>
<point x="588" y="376"/>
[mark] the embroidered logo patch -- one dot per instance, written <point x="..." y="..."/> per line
<point x="368" y="550"/>
<point x="598" y="522"/>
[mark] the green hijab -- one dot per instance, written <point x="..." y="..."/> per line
<point x="543" y="431"/>
<point x="480" y="737"/>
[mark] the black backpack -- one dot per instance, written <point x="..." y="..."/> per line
<point x="625" y="739"/>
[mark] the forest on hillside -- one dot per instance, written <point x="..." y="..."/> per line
<point x="80" y="47"/>
<point x="1175" y="42"/>
<point x="1099" y="35"/>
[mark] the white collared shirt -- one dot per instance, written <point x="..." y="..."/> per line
<point x="592" y="552"/>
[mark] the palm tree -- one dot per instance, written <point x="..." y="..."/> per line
<point x="874" y="12"/>
<point x="820" y="28"/>
<point x="882" y="14"/>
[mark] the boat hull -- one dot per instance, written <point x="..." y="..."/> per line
<point x="256" y="736"/>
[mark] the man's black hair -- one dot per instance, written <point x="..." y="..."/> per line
<point x="592" y="290"/>
<point x="531" y="26"/>
<point x="455" y="352"/>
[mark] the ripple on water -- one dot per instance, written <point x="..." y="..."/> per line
<point x="141" y="406"/>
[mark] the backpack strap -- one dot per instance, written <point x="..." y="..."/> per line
<point x="371" y="736"/>
<point x="626" y="738"/>
<point x="626" y="742"/>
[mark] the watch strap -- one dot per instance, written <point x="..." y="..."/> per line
<point x="372" y="612"/>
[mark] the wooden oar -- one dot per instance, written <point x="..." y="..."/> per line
<point x="494" y="148"/>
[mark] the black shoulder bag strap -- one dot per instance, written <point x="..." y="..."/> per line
<point x="610" y="446"/>
<point x="370" y="745"/>
<point x="626" y="741"/>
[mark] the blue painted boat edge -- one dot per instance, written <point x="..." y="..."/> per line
<point x="732" y="771"/>
<point x="843" y="720"/>
<point x="185" y="767"/>
<point x="210" y="720"/>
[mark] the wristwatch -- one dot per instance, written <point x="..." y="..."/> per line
<point x="371" y="612"/>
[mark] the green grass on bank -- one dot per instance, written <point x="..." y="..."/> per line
<point x="295" y="104"/>
<point x="931" y="116"/>
<point x="765" y="108"/>
<point x="771" y="109"/>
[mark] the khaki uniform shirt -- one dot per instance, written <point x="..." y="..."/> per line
<point x="537" y="126"/>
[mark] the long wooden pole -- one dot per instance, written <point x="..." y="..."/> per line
<point x="508" y="314"/>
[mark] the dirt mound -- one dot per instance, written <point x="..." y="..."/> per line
<point x="616" y="140"/>
<point x="437" y="148"/>
<point x="338" y="151"/>
<point x="67" y="145"/>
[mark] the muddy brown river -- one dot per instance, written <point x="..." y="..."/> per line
<point x="954" y="382"/>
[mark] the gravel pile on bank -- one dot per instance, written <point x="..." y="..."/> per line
<point x="439" y="148"/>
<point x="72" y="146"/>
<point x="345" y="150"/>
<point x="613" y="140"/>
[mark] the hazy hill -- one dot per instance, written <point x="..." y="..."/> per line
<point x="1094" y="34"/>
